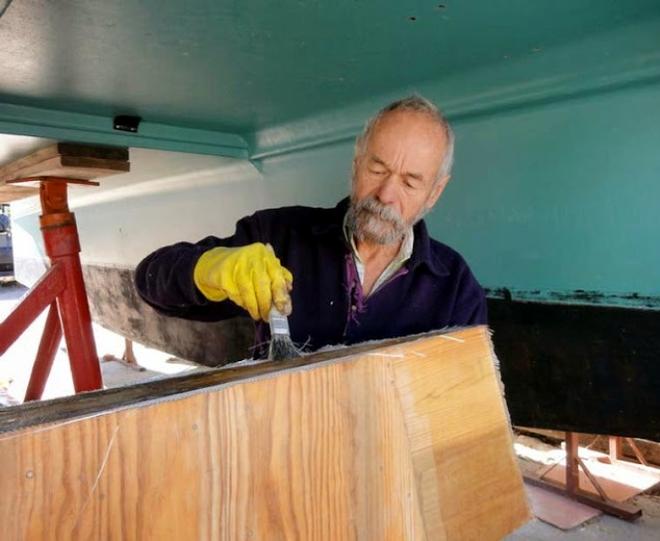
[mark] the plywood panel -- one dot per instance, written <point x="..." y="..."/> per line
<point x="455" y="415"/>
<point x="361" y="446"/>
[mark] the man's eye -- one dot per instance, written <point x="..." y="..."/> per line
<point x="410" y="184"/>
<point x="377" y="171"/>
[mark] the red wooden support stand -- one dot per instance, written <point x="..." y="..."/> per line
<point x="62" y="290"/>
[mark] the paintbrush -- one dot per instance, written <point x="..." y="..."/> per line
<point x="281" y="345"/>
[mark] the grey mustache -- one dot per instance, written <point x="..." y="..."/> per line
<point x="382" y="211"/>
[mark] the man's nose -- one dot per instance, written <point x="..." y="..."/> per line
<point x="388" y="189"/>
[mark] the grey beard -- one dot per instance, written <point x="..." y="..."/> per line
<point x="371" y="221"/>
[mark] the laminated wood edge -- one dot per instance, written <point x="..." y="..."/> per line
<point x="78" y="161"/>
<point x="31" y="414"/>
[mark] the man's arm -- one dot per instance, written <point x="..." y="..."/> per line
<point x="164" y="279"/>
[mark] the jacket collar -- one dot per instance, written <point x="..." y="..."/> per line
<point x="422" y="253"/>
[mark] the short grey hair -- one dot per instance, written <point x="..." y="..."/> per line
<point x="417" y="104"/>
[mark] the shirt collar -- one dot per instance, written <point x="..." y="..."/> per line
<point x="405" y="251"/>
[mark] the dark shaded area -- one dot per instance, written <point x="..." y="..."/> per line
<point x="115" y="305"/>
<point x="581" y="368"/>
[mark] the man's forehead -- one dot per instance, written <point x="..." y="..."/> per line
<point x="417" y="139"/>
<point x="412" y="127"/>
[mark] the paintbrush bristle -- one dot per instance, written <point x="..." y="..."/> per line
<point x="282" y="348"/>
<point x="281" y="345"/>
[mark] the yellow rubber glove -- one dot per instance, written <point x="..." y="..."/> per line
<point x="250" y="276"/>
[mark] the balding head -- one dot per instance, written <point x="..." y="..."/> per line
<point x="419" y="105"/>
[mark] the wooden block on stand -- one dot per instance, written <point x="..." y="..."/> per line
<point x="397" y="440"/>
<point x="67" y="160"/>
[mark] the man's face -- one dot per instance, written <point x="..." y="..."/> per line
<point x="395" y="179"/>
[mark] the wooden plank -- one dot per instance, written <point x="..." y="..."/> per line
<point x="68" y="160"/>
<point x="67" y="151"/>
<point x="14" y="193"/>
<point x="402" y="442"/>
<point x="77" y="150"/>
<point x="95" y="402"/>
<point x="67" y="167"/>
<point x="455" y="413"/>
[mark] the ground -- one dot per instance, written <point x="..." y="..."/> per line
<point x="531" y="453"/>
<point x="603" y="528"/>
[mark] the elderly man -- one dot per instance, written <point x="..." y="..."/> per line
<point x="366" y="269"/>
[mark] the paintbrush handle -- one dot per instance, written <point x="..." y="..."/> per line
<point x="279" y="323"/>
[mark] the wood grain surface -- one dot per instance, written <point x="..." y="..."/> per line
<point x="406" y="442"/>
<point x="9" y="193"/>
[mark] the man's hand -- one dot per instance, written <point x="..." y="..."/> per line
<point x="250" y="276"/>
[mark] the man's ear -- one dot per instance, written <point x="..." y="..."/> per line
<point x="437" y="190"/>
